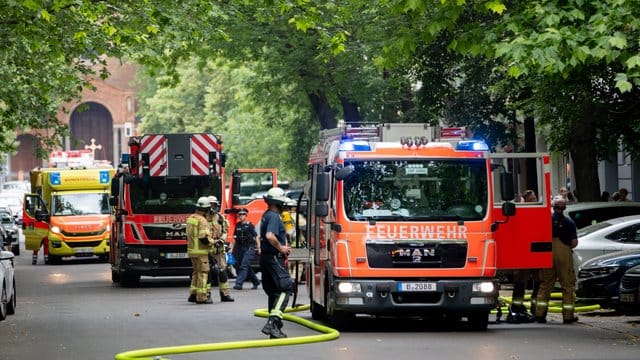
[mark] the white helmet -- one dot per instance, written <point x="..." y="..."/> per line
<point x="291" y="203"/>
<point x="275" y="195"/>
<point x="203" y="203"/>
<point x="213" y="200"/>
<point x="558" y="199"/>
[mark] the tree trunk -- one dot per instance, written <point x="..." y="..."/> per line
<point x="321" y="107"/>
<point x="350" y="110"/>
<point x="585" y="182"/>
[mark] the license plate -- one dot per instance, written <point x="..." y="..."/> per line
<point x="83" y="251"/>
<point x="416" y="286"/>
<point x="627" y="298"/>
<point x="176" y="255"/>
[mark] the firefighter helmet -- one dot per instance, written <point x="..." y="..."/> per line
<point x="213" y="200"/>
<point x="203" y="203"/>
<point x="276" y="196"/>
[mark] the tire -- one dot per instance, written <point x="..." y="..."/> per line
<point x="3" y="302"/>
<point x="338" y="320"/>
<point x="54" y="260"/>
<point x="115" y="276"/>
<point x="15" y="249"/>
<point x="478" y="321"/>
<point x="318" y="312"/>
<point x="11" y="305"/>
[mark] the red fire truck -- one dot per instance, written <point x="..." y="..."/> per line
<point x="416" y="220"/>
<point x="153" y="193"/>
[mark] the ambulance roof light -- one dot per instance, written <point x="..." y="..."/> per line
<point x="354" y="145"/>
<point x="473" y="145"/>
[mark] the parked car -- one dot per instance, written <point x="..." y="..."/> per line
<point x="13" y="201"/>
<point x="611" y="235"/>
<point x="13" y="234"/>
<point x="599" y="278"/>
<point x="588" y="213"/>
<point x="629" y="298"/>
<point x="8" y="289"/>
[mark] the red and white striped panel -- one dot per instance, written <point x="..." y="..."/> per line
<point x="201" y="145"/>
<point x="156" y="147"/>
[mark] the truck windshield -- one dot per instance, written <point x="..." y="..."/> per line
<point x="171" y="195"/>
<point x="80" y="204"/>
<point x="402" y="190"/>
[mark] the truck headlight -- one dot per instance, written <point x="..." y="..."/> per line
<point x="55" y="230"/>
<point x="483" y="287"/>
<point x="349" y="287"/>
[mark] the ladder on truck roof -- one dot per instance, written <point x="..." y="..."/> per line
<point x="388" y="132"/>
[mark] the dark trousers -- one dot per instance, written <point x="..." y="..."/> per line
<point x="244" y="257"/>
<point x="276" y="282"/>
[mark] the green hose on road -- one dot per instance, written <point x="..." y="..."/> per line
<point x="327" y="334"/>
<point x="554" y="306"/>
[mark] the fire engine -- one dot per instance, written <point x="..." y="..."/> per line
<point x="154" y="192"/>
<point x="416" y="220"/>
<point x="68" y="208"/>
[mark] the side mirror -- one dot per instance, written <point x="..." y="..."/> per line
<point x="344" y="173"/>
<point x="322" y="209"/>
<point x="113" y="201"/>
<point x="115" y="187"/>
<point x="235" y="190"/>
<point x="508" y="209"/>
<point x="506" y="186"/>
<point x="41" y="215"/>
<point x="322" y="187"/>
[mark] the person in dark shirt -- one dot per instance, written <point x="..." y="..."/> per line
<point x="246" y="244"/>
<point x="276" y="280"/>
<point x="565" y="238"/>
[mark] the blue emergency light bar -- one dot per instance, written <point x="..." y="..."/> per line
<point x="354" y="145"/>
<point x="472" y="145"/>
<point x="54" y="178"/>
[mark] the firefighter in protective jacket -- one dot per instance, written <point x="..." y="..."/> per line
<point x="198" y="244"/>
<point x="219" y="227"/>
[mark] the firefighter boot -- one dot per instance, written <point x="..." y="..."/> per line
<point x="192" y="298"/>
<point x="226" y="297"/>
<point x="271" y="328"/>
<point x="34" y="259"/>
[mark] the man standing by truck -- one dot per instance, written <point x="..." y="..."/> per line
<point x="219" y="227"/>
<point x="198" y="244"/>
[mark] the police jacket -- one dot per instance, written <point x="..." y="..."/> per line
<point x="197" y="228"/>
<point x="245" y="235"/>
<point x="563" y="228"/>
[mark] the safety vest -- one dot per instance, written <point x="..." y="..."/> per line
<point x="197" y="227"/>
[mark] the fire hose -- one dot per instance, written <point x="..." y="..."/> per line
<point x="326" y="334"/>
<point x="555" y="305"/>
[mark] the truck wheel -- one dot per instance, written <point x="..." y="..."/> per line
<point x="129" y="279"/>
<point x="339" y="320"/>
<point x="478" y="321"/>
<point x="115" y="276"/>
<point x="54" y="260"/>
<point x="103" y="257"/>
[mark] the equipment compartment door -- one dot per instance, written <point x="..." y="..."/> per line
<point x="523" y="241"/>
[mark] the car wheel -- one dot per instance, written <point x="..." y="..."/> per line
<point x="11" y="304"/>
<point x="3" y="302"/>
<point x="15" y="249"/>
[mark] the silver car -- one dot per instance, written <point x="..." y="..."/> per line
<point x="8" y="285"/>
<point x="611" y="235"/>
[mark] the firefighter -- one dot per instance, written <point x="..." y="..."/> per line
<point x="564" y="240"/>
<point x="219" y="227"/>
<point x="276" y="281"/>
<point x="198" y="244"/>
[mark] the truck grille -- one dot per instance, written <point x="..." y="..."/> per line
<point x="83" y="234"/>
<point x="166" y="231"/>
<point x="418" y="254"/>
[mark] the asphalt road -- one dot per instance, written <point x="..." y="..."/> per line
<point x="73" y="311"/>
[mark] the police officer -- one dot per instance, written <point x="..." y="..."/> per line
<point x="246" y="244"/>
<point x="198" y="243"/>
<point x="276" y="281"/>
<point x="564" y="240"/>
<point x="219" y="227"/>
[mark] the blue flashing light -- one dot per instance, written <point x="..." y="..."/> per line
<point x="54" y="178"/>
<point x="473" y="145"/>
<point x="104" y="177"/>
<point x="355" y="145"/>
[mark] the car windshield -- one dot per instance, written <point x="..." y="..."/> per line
<point x="402" y="190"/>
<point x="592" y="228"/>
<point x="80" y="204"/>
<point x="7" y="220"/>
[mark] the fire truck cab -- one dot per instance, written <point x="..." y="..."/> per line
<point x="416" y="220"/>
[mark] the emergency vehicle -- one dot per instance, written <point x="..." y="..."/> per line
<point x="154" y="192"/>
<point x="68" y="210"/>
<point x="416" y="220"/>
